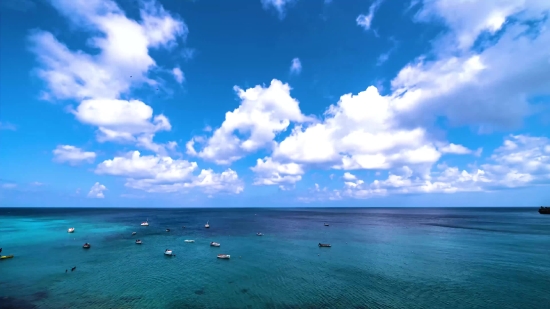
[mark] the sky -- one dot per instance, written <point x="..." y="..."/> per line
<point x="275" y="103"/>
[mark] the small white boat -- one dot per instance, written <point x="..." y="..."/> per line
<point x="224" y="256"/>
<point x="207" y="225"/>
<point x="189" y="240"/>
<point x="168" y="252"/>
<point x="146" y="223"/>
<point x="138" y="242"/>
<point x="326" y="224"/>
<point x="70" y="230"/>
<point x="134" y="233"/>
<point x="260" y="234"/>
<point x="215" y="244"/>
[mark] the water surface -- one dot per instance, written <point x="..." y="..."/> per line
<point x="380" y="258"/>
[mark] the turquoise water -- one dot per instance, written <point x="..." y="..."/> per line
<point x="380" y="258"/>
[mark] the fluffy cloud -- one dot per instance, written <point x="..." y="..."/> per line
<point x="178" y="75"/>
<point x="123" y="62"/>
<point x="278" y="5"/>
<point x="97" y="191"/>
<point x="360" y="132"/>
<point x="269" y="172"/>
<point x="164" y="174"/>
<point x="349" y="176"/>
<point x="521" y="161"/>
<point x="365" y="21"/>
<point x="296" y="66"/>
<point x="72" y="155"/>
<point x="124" y="121"/>
<point x="263" y="113"/>
<point x="464" y="82"/>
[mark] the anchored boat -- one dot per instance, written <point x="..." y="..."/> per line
<point x="86" y="246"/>
<point x="215" y="244"/>
<point x="146" y="223"/>
<point x="168" y="252"/>
<point x="224" y="256"/>
<point x="189" y="240"/>
<point x="70" y="230"/>
<point x="138" y="242"/>
<point x="324" y="245"/>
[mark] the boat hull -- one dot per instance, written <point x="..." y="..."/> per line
<point x="5" y="257"/>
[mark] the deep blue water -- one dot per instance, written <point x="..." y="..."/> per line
<point x="380" y="258"/>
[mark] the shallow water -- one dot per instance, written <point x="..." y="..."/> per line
<point x="380" y="258"/>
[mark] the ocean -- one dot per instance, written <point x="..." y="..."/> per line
<point x="380" y="258"/>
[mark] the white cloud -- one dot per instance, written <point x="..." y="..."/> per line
<point x="269" y="172"/>
<point x="349" y="176"/>
<point x="466" y="84"/>
<point x="122" y="63"/>
<point x="365" y="21"/>
<point x="296" y="66"/>
<point x="97" y="191"/>
<point x="72" y="155"/>
<point x="36" y="183"/>
<point x="521" y="161"/>
<point x="164" y="174"/>
<point x="455" y="149"/>
<point x="263" y="113"/>
<point x="178" y="75"/>
<point x="124" y="121"/>
<point x="359" y="132"/>
<point x="278" y="5"/>
<point x="9" y="185"/>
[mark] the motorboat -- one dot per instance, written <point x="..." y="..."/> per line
<point x="138" y="241"/>
<point x="4" y="257"/>
<point x="167" y="230"/>
<point x="146" y="223"/>
<point x="224" y="256"/>
<point x="326" y="224"/>
<point x="134" y="233"/>
<point x="215" y="244"/>
<point x="324" y="245"/>
<point x="189" y="240"/>
<point x="70" y="230"/>
<point x="260" y="234"/>
<point x="168" y="252"/>
<point x="207" y="225"/>
<point x="86" y="246"/>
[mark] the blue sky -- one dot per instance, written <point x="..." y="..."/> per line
<point x="274" y="103"/>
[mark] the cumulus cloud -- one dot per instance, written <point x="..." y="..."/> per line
<point x="365" y="21"/>
<point x="521" y="161"/>
<point x="123" y="62"/>
<point x="464" y="81"/>
<point x="349" y="176"/>
<point x="360" y="132"/>
<point x="164" y="174"/>
<point x="178" y="75"/>
<point x="278" y="5"/>
<point x="296" y="66"/>
<point x="97" y="191"/>
<point x="269" y="172"/>
<point x="263" y="113"/>
<point x="72" y="155"/>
